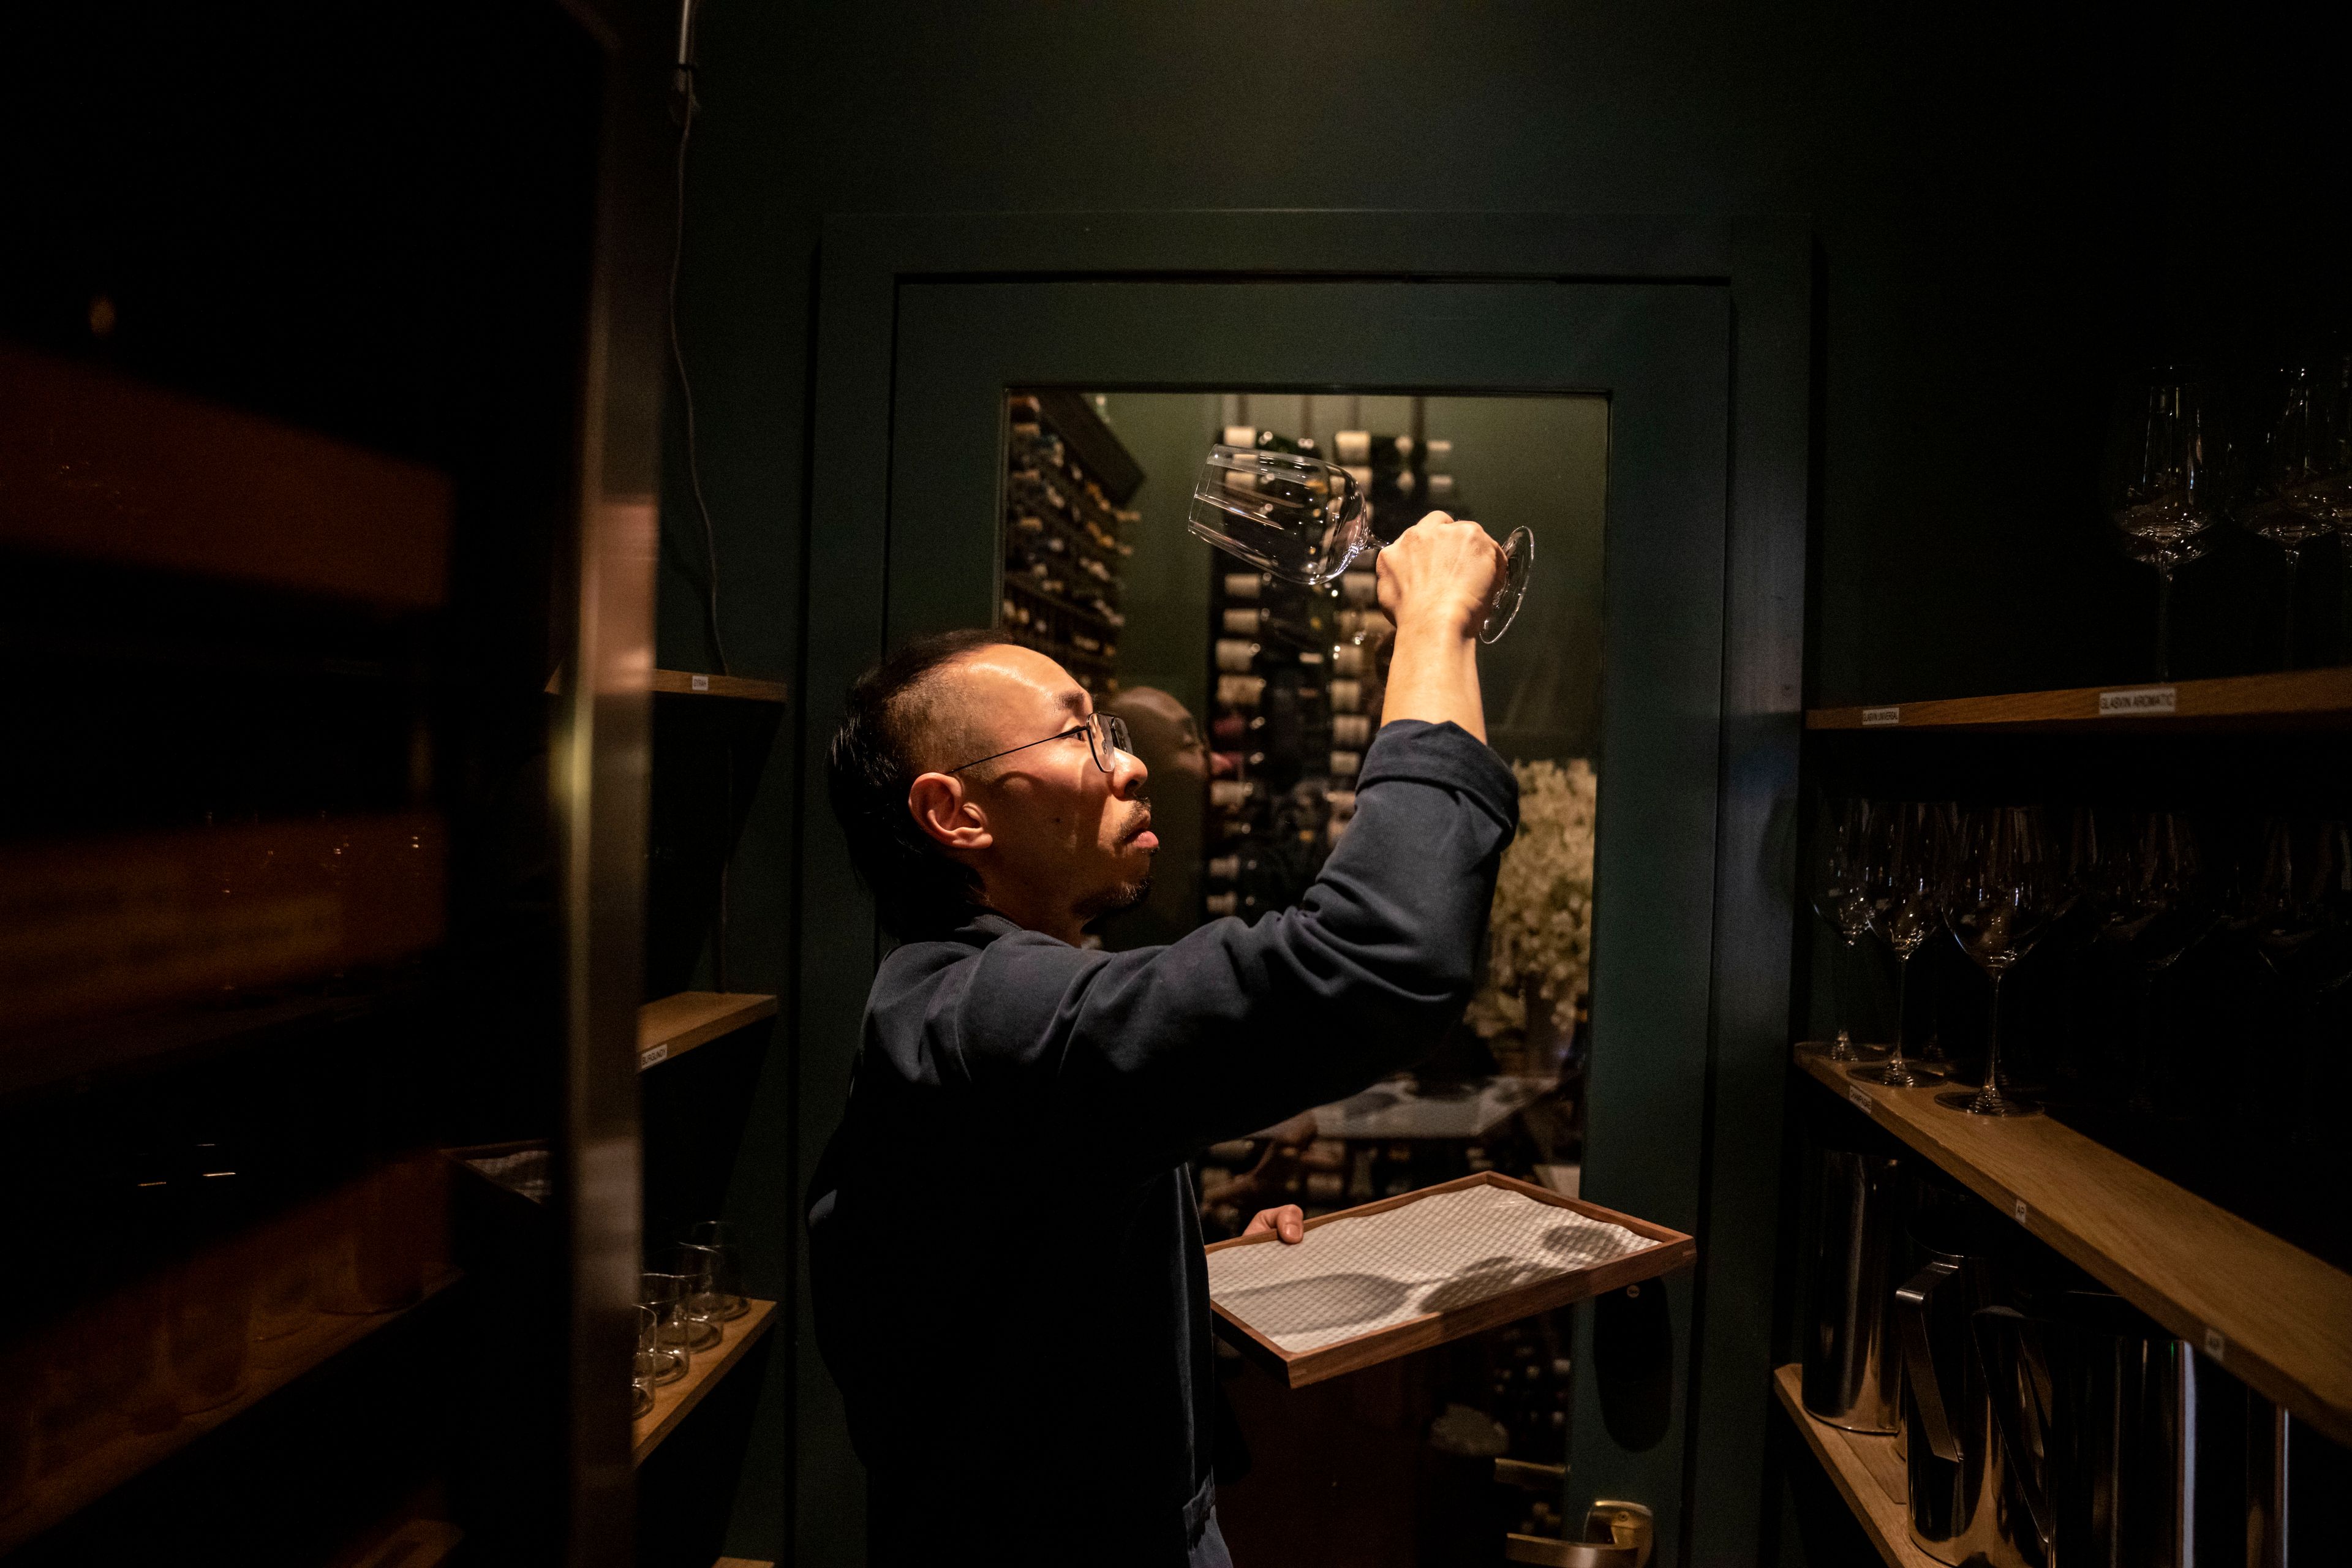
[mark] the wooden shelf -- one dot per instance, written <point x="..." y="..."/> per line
<point x="1868" y="1473"/>
<point x="687" y="683"/>
<point x="2295" y="699"/>
<point x="672" y="1403"/>
<point x="676" y="1025"/>
<point x="2276" y="1317"/>
<point x="59" y="1494"/>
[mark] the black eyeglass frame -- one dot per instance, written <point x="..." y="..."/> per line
<point x="1101" y="730"/>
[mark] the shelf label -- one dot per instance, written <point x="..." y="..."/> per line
<point x="1876" y="718"/>
<point x="2139" y="699"/>
<point x="1860" y="1095"/>
<point x="652" y="1054"/>
<point x="700" y="682"/>
<point x="2215" y="1345"/>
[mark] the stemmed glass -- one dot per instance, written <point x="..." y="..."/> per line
<point x="2164" y="482"/>
<point x="2288" y="497"/>
<point x="1903" y="896"/>
<point x="1842" y="897"/>
<point x="2154" y="896"/>
<point x="2002" y="890"/>
<point x="1307" y="521"/>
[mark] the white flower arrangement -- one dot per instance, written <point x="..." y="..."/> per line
<point x="1542" y="921"/>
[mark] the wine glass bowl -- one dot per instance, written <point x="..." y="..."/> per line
<point x="1307" y="521"/>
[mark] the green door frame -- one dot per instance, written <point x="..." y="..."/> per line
<point x="1765" y="266"/>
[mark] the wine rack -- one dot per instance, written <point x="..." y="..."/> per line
<point x="1295" y="677"/>
<point x="1066" y="482"/>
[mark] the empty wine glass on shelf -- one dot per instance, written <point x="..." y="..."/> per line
<point x="2292" y="894"/>
<point x="1308" y="521"/>
<point x="2286" y="497"/>
<point x="2164" y="476"/>
<point x="2002" y="890"/>
<point x="2154" y="897"/>
<point x="1842" y="897"/>
<point x="1904" y="898"/>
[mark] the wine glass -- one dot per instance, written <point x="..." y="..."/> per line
<point x="1903" y="896"/>
<point x="2288" y="496"/>
<point x="1308" y="521"/>
<point x="1841" y="898"/>
<point x="2165" y="475"/>
<point x="2003" y="889"/>
<point x="2154" y="897"/>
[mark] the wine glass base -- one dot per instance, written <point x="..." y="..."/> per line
<point x="1983" y="1102"/>
<point x="1910" y="1075"/>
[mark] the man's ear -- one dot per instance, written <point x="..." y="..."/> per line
<point x="941" y="809"/>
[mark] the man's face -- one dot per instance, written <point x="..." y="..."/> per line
<point x="1063" y="833"/>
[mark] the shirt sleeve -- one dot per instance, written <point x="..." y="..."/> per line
<point x="1159" y="1052"/>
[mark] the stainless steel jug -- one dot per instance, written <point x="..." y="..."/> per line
<point x="1952" y="1461"/>
<point x="2095" y="1408"/>
<point x="1851" y="1368"/>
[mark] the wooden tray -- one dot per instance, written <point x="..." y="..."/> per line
<point x="1669" y="1250"/>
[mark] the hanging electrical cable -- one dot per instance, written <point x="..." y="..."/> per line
<point x="687" y="108"/>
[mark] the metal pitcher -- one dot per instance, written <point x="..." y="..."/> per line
<point x="1952" y="1460"/>
<point x="1851" y="1369"/>
<point x="2095" y="1409"/>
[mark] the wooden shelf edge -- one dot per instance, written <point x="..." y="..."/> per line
<point x="2277" y="1317"/>
<point x="672" y="1405"/>
<point x="2294" y="698"/>
<point x="57" y="1496"/>
<point x="673" y="1025"/>
<point x="1886" y="1521"/>
<point x="691" y="683"/>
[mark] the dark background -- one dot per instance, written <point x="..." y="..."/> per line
<point x="2011" y="205"/>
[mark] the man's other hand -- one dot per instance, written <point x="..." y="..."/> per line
<point x="1288" y="1222"/>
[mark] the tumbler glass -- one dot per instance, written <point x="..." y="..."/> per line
<point x="1308" y="521"/>
<point x="657" y="1363"/>
<point x="673" y="1329"/>
<point x="726" y="1265"/>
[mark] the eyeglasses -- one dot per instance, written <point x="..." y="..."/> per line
<point x="1106" y="736"/>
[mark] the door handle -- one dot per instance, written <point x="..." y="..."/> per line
<point x="1616" y="1535"/>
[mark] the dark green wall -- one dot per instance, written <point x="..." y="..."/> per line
<point x="2010" y="204"/>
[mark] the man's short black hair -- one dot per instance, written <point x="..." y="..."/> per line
<point x="919" y="890"/>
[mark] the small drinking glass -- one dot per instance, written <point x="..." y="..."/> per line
<point x="718" y="1236"/>
<point x="658" y="1361"/>
<point x="665" y="1294"/>
<point x="1307" y="521"/>
<point x="1903" y="895"/>
<point x="2003" y="889"/>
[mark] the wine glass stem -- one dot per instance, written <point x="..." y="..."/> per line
<point x="1991" y="1094"/>
<point x="2286" y="622"/>
<point x="2163" y="637"/>
<point x="1895" y="1066"/>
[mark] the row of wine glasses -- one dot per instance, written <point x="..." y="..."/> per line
<point x="2151" y="884"/>
<point x="2270" y="451"/>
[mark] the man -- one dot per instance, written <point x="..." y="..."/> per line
<point x="1006" y="1261"/>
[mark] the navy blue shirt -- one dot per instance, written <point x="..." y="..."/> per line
<point x="1006" y="1260"/>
